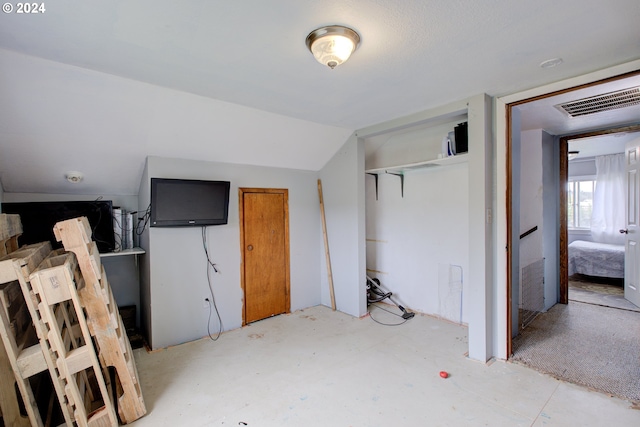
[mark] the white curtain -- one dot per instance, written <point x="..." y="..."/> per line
<point x="607" y="217"/>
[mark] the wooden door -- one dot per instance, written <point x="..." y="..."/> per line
<point x="264" y="233"/>
<point x="632" y="251"/>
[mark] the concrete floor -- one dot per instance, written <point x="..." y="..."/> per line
<point x="322" y="368"/>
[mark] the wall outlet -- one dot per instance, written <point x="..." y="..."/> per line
<point x="205" y="302"/>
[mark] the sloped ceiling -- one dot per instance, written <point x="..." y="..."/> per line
<point x="56" y="118"/>
<point x="98" y="86"/>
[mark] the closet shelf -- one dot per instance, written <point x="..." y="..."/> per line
<point x="124" y="252"/>
<point x="399" y="169"/>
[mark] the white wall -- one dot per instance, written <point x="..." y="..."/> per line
<point x="538" y="206"/>
<point x="530" y="209"/>
<point x="551" y="218"/>
<point x="57" y="117"/>
<point x="530" y="196"/>
<point x="415" y="144"/>
<point x="482" y="202"/>
<point x="175" y="284"/>
<point x="343" y="195"/>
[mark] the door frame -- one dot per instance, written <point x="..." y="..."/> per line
<point x="285" y="193"/>
<point x="509" y="190"/>
<point x="564" y="178"/>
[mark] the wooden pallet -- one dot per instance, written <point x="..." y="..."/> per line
<point x="17" y="342"/>
<point x="21" y="355"/>
<point x="21" y="358"/>
<point x="10" y="230"/>
<point x="63" y="329"/>
<point x="104" y="320"/>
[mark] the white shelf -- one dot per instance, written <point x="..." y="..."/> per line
<point x="124" y="252"/>
<point x="446" y="161"/>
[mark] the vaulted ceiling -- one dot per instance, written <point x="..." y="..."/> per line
<point x="98" y="86"/>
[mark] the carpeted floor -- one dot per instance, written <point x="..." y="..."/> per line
<point x="587" y="344"/>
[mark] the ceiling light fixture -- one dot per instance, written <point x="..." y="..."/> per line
<point x="74" y="177"/>
<point x="332" y="45"/>
<point x="572" y="154"/>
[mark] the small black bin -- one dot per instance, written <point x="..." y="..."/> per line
<point x="462" y="138"/>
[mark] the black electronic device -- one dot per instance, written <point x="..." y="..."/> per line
<point x="188" y="202"/>
<point x="39" y="218"/>
<point x="461" y="132"/>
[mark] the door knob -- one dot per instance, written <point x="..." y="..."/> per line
<point x="250" y="247"/>
<point x="625" y="231"/>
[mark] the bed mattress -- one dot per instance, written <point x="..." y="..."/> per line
<point x="596" y="259"/>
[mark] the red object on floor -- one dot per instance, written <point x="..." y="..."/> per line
<point x="444" y="374"/>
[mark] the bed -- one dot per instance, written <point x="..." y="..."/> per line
<point x="596" y="259"/>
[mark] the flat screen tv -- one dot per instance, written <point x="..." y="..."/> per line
<point x="38" y="219"/>
<point x="188" y="202"/>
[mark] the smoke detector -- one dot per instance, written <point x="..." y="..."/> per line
<point x="74" y="177"/>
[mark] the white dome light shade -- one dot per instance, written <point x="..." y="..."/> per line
<point x="333" y="45"/>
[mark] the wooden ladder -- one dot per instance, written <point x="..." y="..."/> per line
<point x="103" y="318"/>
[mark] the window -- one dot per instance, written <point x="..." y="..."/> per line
<point x="580" y="203"/>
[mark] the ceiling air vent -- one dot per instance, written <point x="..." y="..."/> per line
<point x="597" y="104"/>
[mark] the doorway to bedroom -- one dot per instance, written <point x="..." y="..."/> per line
<point x="599" y="211"/>
<point x="578" y="341"/>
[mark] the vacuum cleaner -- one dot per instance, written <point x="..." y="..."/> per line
<point x="376" y="294"/>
